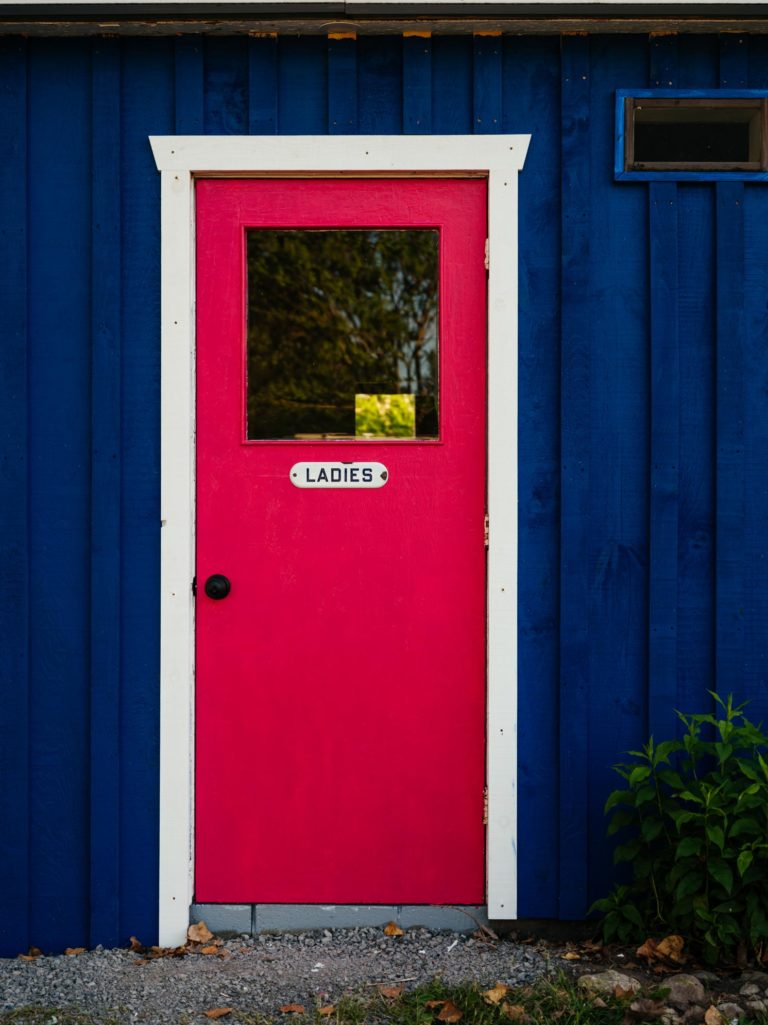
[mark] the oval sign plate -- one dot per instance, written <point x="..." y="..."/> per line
<point x="339" y="475"/>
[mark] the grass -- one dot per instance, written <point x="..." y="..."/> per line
<point x="547" y="1002"/>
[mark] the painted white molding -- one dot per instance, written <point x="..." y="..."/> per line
<point x="180" y="159"/>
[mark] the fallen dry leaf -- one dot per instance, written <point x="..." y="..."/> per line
<point x="35" y="952"/>
<point x="217" y="1012"/>
<point x="571" y="955"/>
<point x="515" y="1012"/>
<point x="496" y="994"/>
<point x="27" y="957"/>
<point x="647" y="949"/>
<point x="645" y="1008"/>
<point x="141" y="960"/>
<point x="292" y="1008"/>
<point x="391" y="992"/>
<point x="668" y="949"/>
<point x="393" y="929"/>
<point x="621" y="993"/>
<point x="212" y="949"/>
<point x="712" y="1016"/>
<point x="450" y="1012"/>
<point x="328" y="1009"/>
<point x="74" y="950"/>
<point x="671" y="947"/>
<point x="137" y="946"/>
<point x="199" y="933"/>
<point x="435" y="1003"/>
<point x="592" y="945"/>
<point x="598" y="1002"/>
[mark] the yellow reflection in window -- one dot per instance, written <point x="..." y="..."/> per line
<point x="385" y="416"/>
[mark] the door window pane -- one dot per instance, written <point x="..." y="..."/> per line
<point x="342" y="333"/>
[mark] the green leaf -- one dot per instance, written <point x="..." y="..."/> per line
<point x="748" y="770"/>
<point x="671" y="778"/>
<point x="645" y="794"/>
<point x="742" y="826"/>
<point x="665" y="749"/>
<point x="689" y="884"/>
<point x="724" y="751"/>
<point x="743" y="861"/>
<point x="617" y="797"/>
<point x="722" y="873"/>
<point x="651" y="828"/>
<point x="716" y="835"/>
<point x="681" y="818"/>
<point x="627" y="851"/>
<point x="620" y="819"/>
<point x="630" y="911"/>
<point x="688" y="845"/>
<point x="688" y="796"/>
<point x="610" y="925"/>
<point x="638" y="774"/>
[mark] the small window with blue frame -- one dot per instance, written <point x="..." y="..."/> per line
<point x="667" y="135"/>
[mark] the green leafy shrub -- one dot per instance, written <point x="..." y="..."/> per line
<point x="693" y="814"/>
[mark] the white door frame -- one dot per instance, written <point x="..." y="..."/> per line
<point x="180" y="159"/>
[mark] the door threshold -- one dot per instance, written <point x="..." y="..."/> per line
<point x="251" y="919"/>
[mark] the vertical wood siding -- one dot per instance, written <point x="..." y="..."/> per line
<point x="643" y="427"/>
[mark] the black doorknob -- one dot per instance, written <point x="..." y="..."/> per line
<point x="217" y="586"/>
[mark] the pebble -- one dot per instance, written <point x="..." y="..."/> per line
<point x="261" y="974"/>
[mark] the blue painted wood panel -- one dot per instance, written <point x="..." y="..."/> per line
<point x="643" y="427"/>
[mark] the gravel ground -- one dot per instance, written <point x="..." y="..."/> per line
<point x="260" y="974"/>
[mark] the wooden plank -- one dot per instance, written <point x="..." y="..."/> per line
<point x="148" y="106"/>
<point x="665" y="427"/>
<point x="417" y="85"/>
<point x="730" y="437"/>
<point x="58" y="296"/>
<point x="105" y="495"/>
<point x="664" y="58"/>
<point x="619" y="446"/>
<point x="729" y="628"/>
<point x="532" y="83"/>
<point x="575" y="384"/>
<point x="452" y="85"/>
<point x="756" y="424"/>
<point x="734" y="61"/>
<point x="14" y="501"/>
<point x="698" y="67"/>
<point x="262" y="85"/>
<point x="174" y="25"/>
<point x="487" y="84"/>
<point x="342" y="86"/>
<point x="696" y="509"/>
<point x="303" y="86"/>
<point x="380" y="85"/>
<point x="665" y="458"/>
<point x="188" y="85"/>
<point x="226" y="86"/>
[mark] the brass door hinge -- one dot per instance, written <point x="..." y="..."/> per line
<point x="485" y="806"/>
<point x="487" y="254"/>
<point x="487" y="531"/>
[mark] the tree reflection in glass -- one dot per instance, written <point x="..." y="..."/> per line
<point x="339" y="322"/>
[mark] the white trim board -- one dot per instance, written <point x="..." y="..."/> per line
<point x="179" y="159"/>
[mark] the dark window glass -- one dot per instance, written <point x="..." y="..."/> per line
<point x="342" y="333"/>
<point x="694" y="134"/>
<point x="695" y="141"/>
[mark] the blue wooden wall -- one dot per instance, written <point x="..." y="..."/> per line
<point x="643" y="427"/>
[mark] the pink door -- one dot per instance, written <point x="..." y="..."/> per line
<point x="341" y="466"/>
